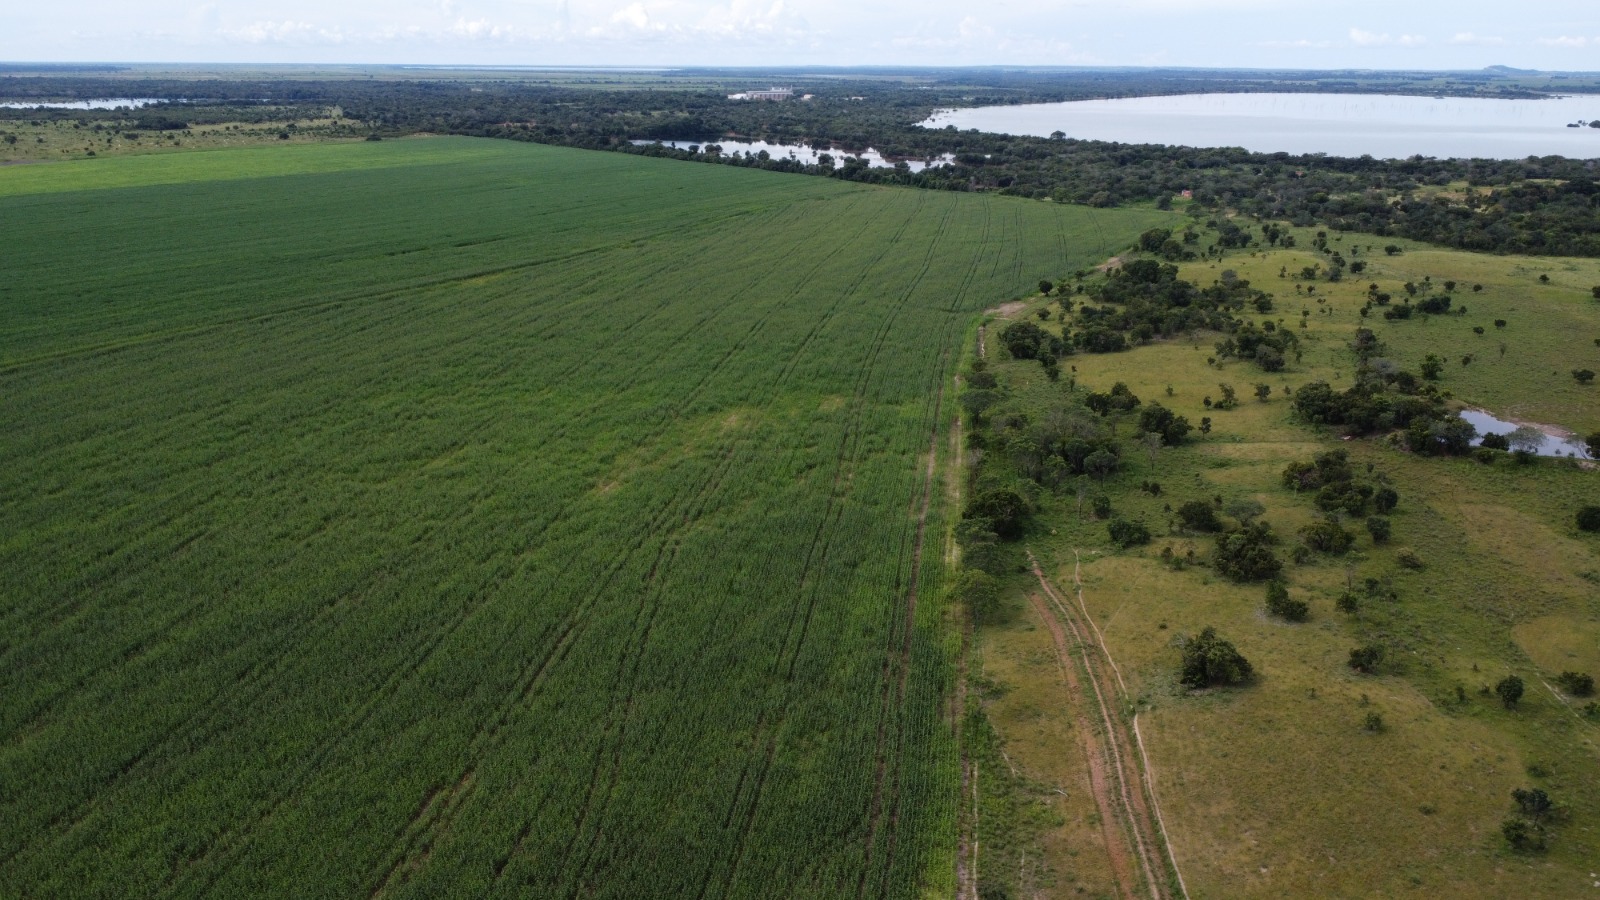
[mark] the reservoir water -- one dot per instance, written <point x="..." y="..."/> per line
<point x="802" y="153"/>
<point x="1381" y="125"/>
<point x="114" y="103"/>
<point x="1553" y="444"/>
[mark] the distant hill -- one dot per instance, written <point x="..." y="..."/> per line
<point x="1507" y="70"/>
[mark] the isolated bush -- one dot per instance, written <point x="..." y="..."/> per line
<point x="1200" y="516"/>
<point x="1523" y="836"/>
<point x="1589" y="518"/>
<point x="1157" y="419"/>
<point x="1407" y="557"/>
<point x="1209" y="659"/>
<point x="1578" y="684"/>
<point x="1101" y="506"/>
<point x="1280" y="604"/>
<point x="1246" y="554"/>
<point x="1366" y="660"/>
<point x="1327" y="536"/>
<point x="979" y="592"/>
<point x="1510" y="690"/>
<point x="1373" y="723"/>
<point x="1127" y="534"/>
<point x="1379" y="528"/>
<point x="1004" y="508"/>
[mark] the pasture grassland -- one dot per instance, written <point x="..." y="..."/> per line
<point x="447" y="517"/>
<point x="1276" y="788"/>
<point x="58" y="141"/>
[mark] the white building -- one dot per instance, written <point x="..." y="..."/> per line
<point x="776" y="93"/>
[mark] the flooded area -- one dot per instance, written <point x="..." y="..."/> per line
<point x="1552" y="441"/>
<point x="114" y="103"/>
<point x="801" y="153"/>
<point x="1381" y="125"/>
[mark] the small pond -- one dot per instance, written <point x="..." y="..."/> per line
<point x="115" y="103"/>
<point x="801" y="153"/>
<point x="1552" y="445"/>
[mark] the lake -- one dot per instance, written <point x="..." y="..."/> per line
<point x="804" y="154"/>
<point x="1381" y="125"/>
<point x="115" y="103"/>
<point x="1553" y="444"/>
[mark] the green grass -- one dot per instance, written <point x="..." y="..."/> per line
<point x="1275" y="789"/>
<point x="448" y="517"/>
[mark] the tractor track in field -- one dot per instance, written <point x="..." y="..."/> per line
<point x="1135" y="839"/>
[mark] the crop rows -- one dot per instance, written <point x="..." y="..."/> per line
<point x="485" y="519"/>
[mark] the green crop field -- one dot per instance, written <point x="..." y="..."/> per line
<point x="446" y="517"/>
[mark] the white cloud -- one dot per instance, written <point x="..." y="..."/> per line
<point x="1568" y="42"/>
<point x="1467" y="37"/>
<point x="1371" y="39"/>
<point x="287" y="31"/>
<point x="1301" y="44"/>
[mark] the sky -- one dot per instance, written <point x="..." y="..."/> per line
<point x="1367" y="34"/>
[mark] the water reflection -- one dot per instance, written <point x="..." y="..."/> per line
<point x="1549" y="444"/>
<point x="802" y="154"/>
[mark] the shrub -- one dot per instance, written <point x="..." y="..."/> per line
<point x="1349" y="603"/>
<point x="1379" y="528"/>
<point x="1510" y="690"/>
<point x="1373" y="723"/>
<point x="1407" y="557"/>
<point x="1246" y="554"/>
<point x="1327" y="536"/>
<point x="1199" y="515"/>
<point x="1578" y="684"/>
<point x="1589" y="518"/>
<point x="1101" y="506"/>
<point x="1004" y="508"/>
<point x="1127" y="534"/>
<point x="1209" y="659"/>
<point x="1160" y="420"/>
<point x="979" y="592"/>
<point x="1522" y="835"/>
<point x="1280" y="604"/>
<point x="1366" y="660"/>
<point x="1533" y="803"/>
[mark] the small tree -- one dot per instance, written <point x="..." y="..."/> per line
<point x="1593" y="443"/>
<point x="1263" y="391"/>
<point x="1245" y="510"/>
<point x="1209" y="659"/>
<point x="1583" y="376"/>
<point x="1510" y="690"/>
<point x="1589" y="518"/>
<point x="1230" y="397"/>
